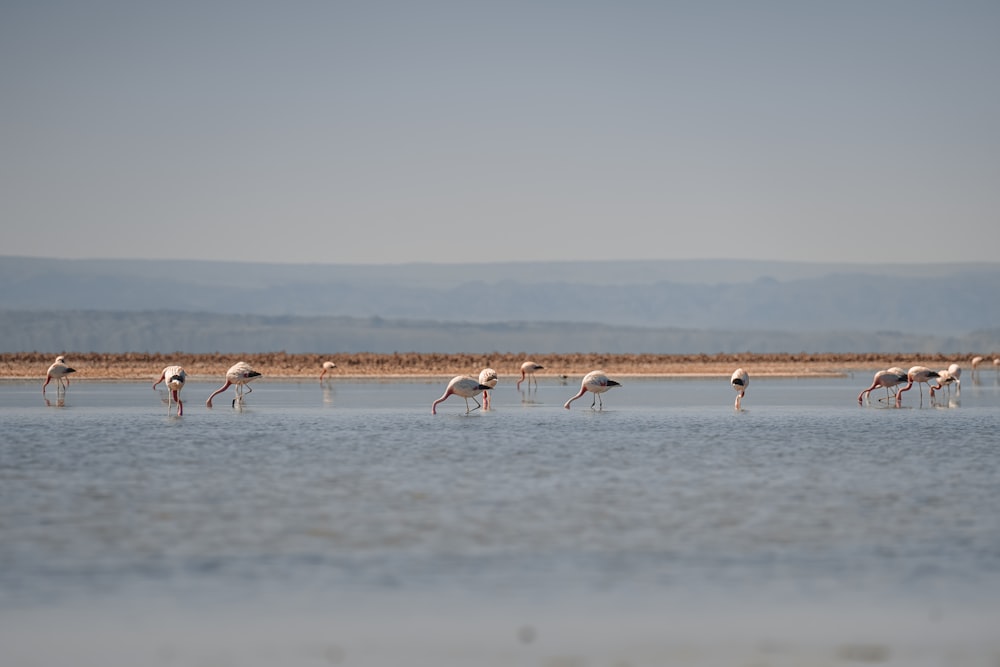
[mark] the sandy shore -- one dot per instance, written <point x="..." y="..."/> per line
<point x="134" y="366"/>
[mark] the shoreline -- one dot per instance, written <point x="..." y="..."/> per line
<point x="281" y="365"/>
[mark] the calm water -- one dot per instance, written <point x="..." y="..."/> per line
<point x="347" y="525"/>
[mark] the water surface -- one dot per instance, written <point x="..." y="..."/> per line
<point x="345" y="524"/>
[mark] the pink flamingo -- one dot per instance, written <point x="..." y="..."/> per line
<point x="175" y="377"/>
<point x="327" y="366"/>
<point x="920" y="375"/>
<point x="528" y="369"/>
<point x="58" y="370"/>
<point x="888" y="378"/>
<point x="740" y="380"/>
<point x="489" y="378"/>
<point x="946" y="378"/>
<point x="465" y="386"/>
<point x="596" y="382"/>
<point x="240" y="375"/>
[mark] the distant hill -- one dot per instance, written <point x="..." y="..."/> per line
<point x="201" y="333"/>
<point x="665" y="307"/>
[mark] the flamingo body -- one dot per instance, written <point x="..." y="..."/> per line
<point x="597" y="383"/>
<point x="739" y="381"/>
<point x="528" y="369"/>
<point x="58" y="371"/>
<point x="950" y="376"/>
<point x="489" y="378"/>
<point x="887" y="379"/>
<point x="239" y="375"/>
<point x="919" y="375"/>
<point x="174" y="377"/>
<point x="327" y="366"/>
<point x="465" y="386"/>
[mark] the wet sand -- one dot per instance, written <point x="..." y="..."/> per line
<point x="136" y="366"/>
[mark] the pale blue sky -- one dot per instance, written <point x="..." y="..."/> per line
<point x="385" y="132"/>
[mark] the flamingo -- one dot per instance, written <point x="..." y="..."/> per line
<point x="918" y="374"/>
<point x="740" y="380"/>
<point x="528" y="369"/>
<point x="465" y="386"/>
<point x="596" y="382"/>
<point x="888" y="378"/>
<point x="327" y="365"/>
<point x="489" y="378"/>
<point x="175" y="377"/>
<point x="975" y="363"/>
<point x="951" y="376"/>
<point x="240" y="374"/>
<point x="58" y="370"/>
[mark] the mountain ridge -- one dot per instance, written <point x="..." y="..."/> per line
<point x="774" y="307"/>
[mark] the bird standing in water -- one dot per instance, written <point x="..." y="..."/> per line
<point x="58" y="370"/>
<point x="740" y="380"/>
<point x="174" y="377"/>
<point x="488" y="377"/>
<point x="528" y="369"/>
<point x="240" y="375"/>
<point x="465" y="386"/>
<point x="887" y="378"/>
<point x="597" y="383"/>
<point x="920" y="375"/>
<point x="327" y="366"/>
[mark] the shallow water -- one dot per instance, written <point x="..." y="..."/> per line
<point x="345" y="524"/>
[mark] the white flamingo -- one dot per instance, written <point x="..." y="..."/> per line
<point x="58" y="370"/>
<point x="327" y="366"/>
<point x="950" y="376"/>
<point x="528" y="369"/>
<point x="739" y="381"/>
<point x="240" y="375"/>
<point x="175" y="377"/>
<point x="888" y="379"/>
<point x="920" y="375"/>
<point x="465" y="386"/>
<point x="489" y="378"/>
<point x="596" y="382"/>
<point x="975" y="363"/>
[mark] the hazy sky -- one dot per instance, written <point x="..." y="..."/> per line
<point x="389" y="132"/>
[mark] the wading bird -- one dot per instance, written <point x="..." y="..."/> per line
<point x="240" y="375"/>
<point x="596" y="382"/>
<point x="489" y="378"/>
<point x="739" y="381"/>
<point x="58" y="370"/>
<point x="465" y="386"/>
<point x="327" y="366"/>
<point x="946" y="378"/>
<point x="174" y="377"/>
<point x="528" y="369"/>
<point x="920" y="375"/>
<point x="887" y="378"/>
